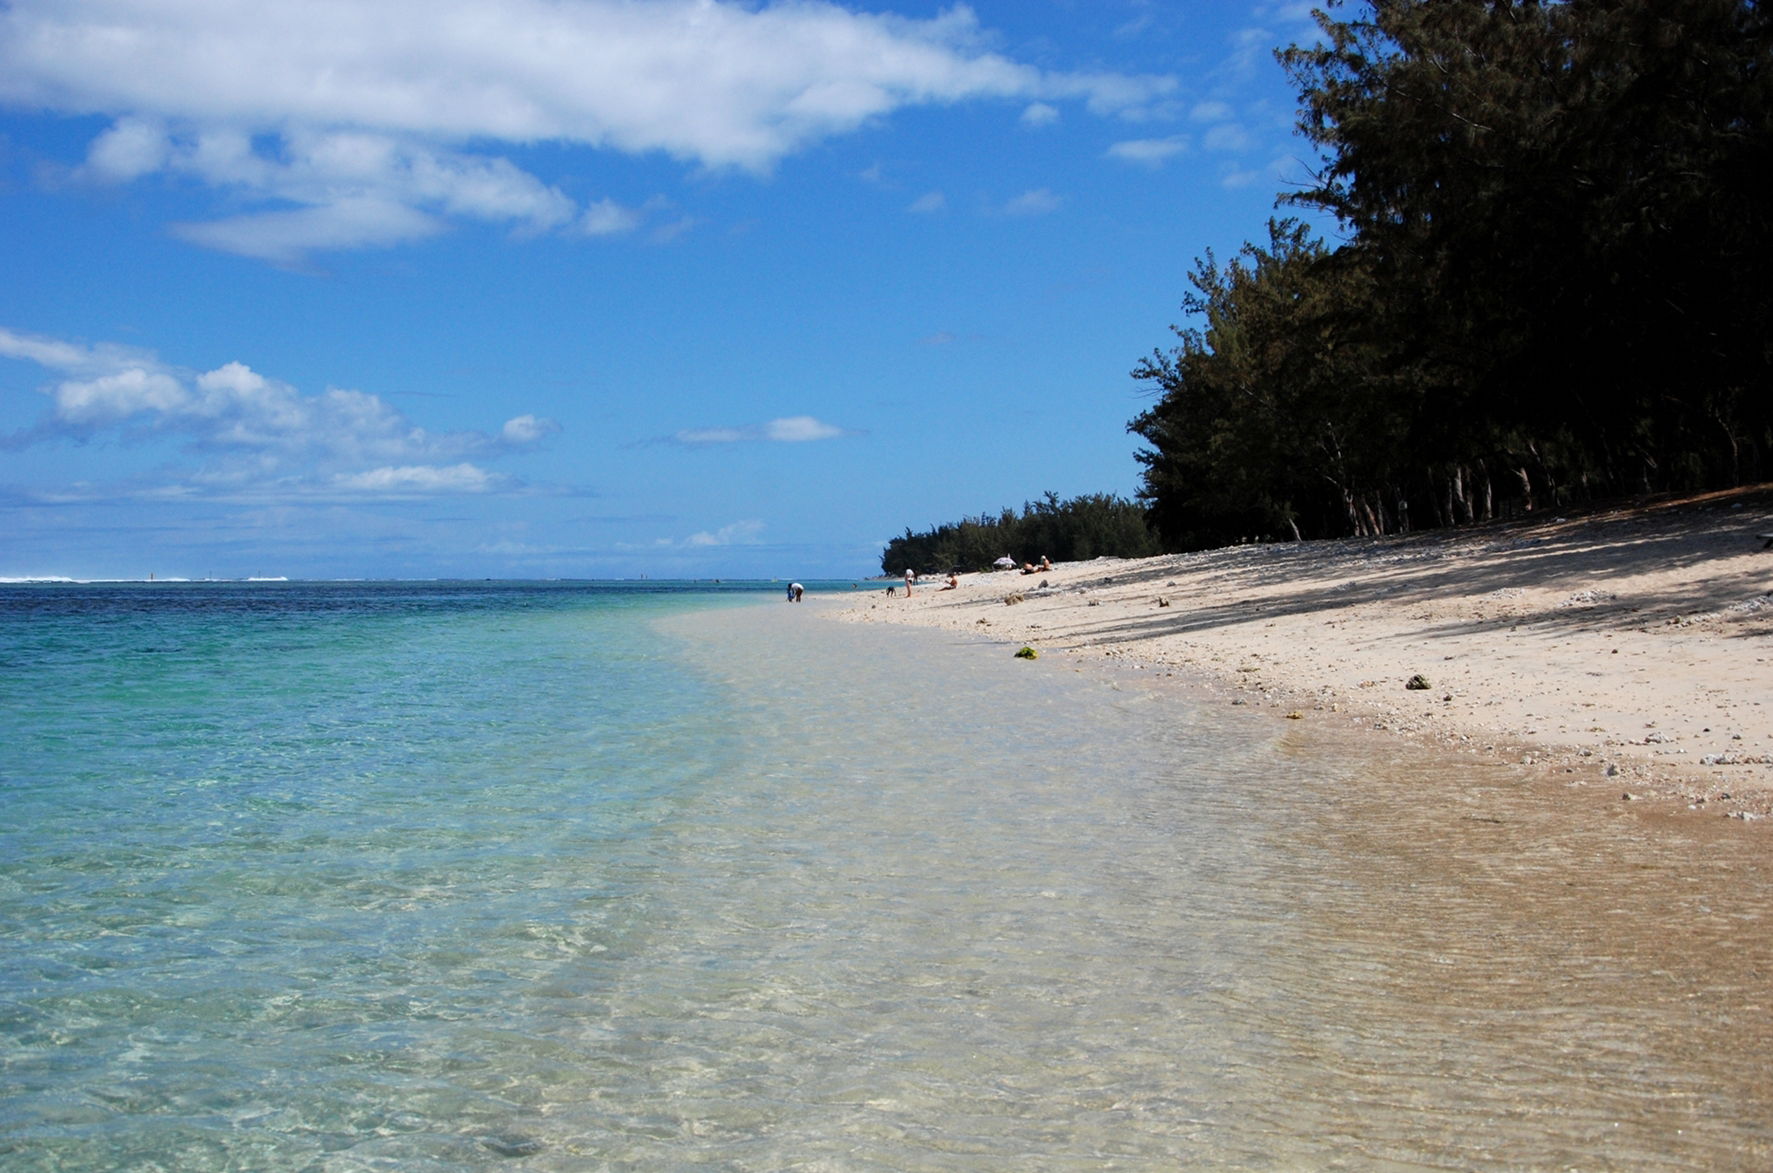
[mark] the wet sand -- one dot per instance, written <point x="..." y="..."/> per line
<point x="1623" y="654"/>
<point x="971" y="911"/>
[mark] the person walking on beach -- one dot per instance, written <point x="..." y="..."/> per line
<point x="910" y="577"/>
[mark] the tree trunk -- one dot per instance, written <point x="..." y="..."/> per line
<point x="1547" y="482"/>
<point x="1374" y="529"/>
<point x="1735" y="448"/>
<point x="1355" y="526"/>
<point x="1456" y="495"/>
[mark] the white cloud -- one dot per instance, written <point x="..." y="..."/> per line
<point x="132" y="147"/>
<point x="420" y="479"/>
<point x="1252" y="50"/>
<point x="375" y="118"/>
<point x="66" y="357"/>
<point x="527" y="429"/>
<point x="253" y="433"/>
<point x="1297" y="16"/>
<point x="352" y="190"/>
<point x="698" y="436"/>
<point x="1228" y="137"/>
<point x="288" y="237"/>
<point x="1149" y="151"/>
<point x="608" y="218"/>
<point x="1239" y="178"/>
<point x="1275" y="172"/>
<point x="1038" y="202"/>
<point x="739" y="533"/>
<point x="672" y="229"/>
<point x="796" y="429"/>
<point x="118" y="396"/>
<point x="927" y="203"/>
<point x="1040" y="114"/>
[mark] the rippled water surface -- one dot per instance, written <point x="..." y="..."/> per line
<point x="569" y="881"/>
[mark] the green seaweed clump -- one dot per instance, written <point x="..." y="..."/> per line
<point x="1027" y="653"/>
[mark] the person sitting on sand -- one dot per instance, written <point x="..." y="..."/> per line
<point x="1045" y="562"/>
<point x="953" y="581"/>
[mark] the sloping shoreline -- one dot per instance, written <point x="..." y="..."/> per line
<point x="1628" y="651"/>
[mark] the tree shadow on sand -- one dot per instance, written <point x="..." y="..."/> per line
<point x="1594" y="558"/>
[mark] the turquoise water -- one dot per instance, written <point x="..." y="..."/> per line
<point x="276" y="857"/>
<point x="579" y="876"/>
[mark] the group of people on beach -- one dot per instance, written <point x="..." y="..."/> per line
<point x="1004" y="563"/>
<point x="1009" y="563"/>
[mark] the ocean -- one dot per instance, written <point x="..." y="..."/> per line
<point x="636" y="876"/>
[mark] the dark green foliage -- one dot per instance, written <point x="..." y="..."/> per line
<point x="1552" y="281"/>
<point x="1090" y="526"/>
<point x="1274" y="418"/>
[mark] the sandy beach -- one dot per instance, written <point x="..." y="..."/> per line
<point x="1624" y="654"/>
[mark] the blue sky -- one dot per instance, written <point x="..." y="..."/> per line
<point x="596" y="288"/>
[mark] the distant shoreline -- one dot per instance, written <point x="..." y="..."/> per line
<point x="1627" y="653"/>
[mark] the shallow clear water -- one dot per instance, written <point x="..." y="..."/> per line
<point x="456" y="876"/>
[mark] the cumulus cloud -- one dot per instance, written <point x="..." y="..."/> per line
<point x="608" y="218"/>
<point x="1038" y="202"/>
<point x="739" y="533"/>
<point x="68" y="357"/>
<point x="108" y="399"/>
<point x="1150" y="151"/>
<point x="417" y="479"/>
<point x="132" y="147"/>
<point x="527" y="429"/>
<point x="288" y="237"/>
<point x="796" y="429"/>
<point x="248" y="431"/>
<point x="1228" y="137"/>
<point x="374" y="123"/>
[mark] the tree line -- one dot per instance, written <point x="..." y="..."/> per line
<point x="1089" y="526"/>
<point x="1548" y="284"/>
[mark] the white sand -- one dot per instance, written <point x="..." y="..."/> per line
<point x="1627" y="651"/>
